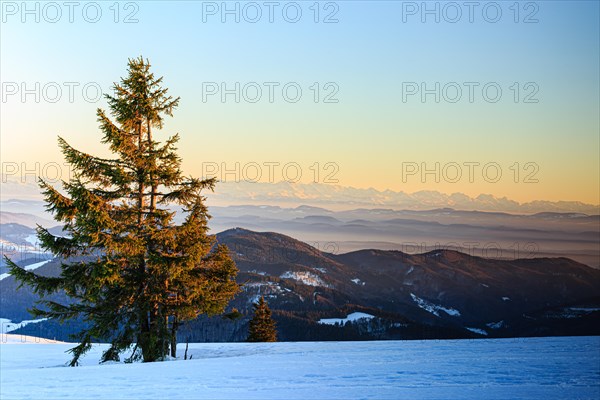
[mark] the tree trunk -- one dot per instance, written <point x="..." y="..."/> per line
<point x="152" y="345"/>
<point x="174" y="337"/>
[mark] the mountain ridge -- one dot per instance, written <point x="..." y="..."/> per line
<point x="436" y="294"/>
<point x="318" y="195"/>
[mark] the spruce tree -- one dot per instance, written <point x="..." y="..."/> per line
<point x="262" y="326"/>
<point x="133" y="274"/>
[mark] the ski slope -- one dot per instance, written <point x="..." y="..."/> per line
<point x="535" y="368"/>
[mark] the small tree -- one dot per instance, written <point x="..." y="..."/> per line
<point x="262" y="326"/>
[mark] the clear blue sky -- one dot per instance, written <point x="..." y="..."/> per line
<point x="368" y="54"/>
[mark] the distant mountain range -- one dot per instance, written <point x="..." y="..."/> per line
<point x="436" y="294"/>
<point x="341" y="197"/>
<point x="485" y="234"/>
<point x="344" y="197"/>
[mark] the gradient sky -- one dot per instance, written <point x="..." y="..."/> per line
<point x="369" y="53"/>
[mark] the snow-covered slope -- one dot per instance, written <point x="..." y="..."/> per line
<point x="29" y="267"/>
<point x="10" y="338"/>
<point x="6" y="325"/>
<point x="434" y="308"/>
<point x="536" y="368"/>
<point x="355" y="316"/>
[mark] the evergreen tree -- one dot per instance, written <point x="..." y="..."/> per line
<point x="262" y="326"/>
<point x="134" y="274"/>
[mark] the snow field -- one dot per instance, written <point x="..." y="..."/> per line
<point x="534" y="368"/>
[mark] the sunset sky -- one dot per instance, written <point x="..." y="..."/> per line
<point x="368" y="61"/>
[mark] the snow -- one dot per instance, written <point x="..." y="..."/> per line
<point x="304" y="277"/>
<point x="268" y="290"/>
<point x="495" y="325"/>
<point x="36" y="265"/>
<point x="254" y="299"/>
<point x="268" y="285"/>
<point x="355" y="316"/>
<point x="6" y="325"/>
<point x="33" y="239"/>
<point x="29" y="267"/>
<point x="574" y="312"/>
<point x="258" y="272"/>
<point x="24" y="339"/>
<point x="357" y="282"/>
<point x="584" y="309"/>
<point x="528" y="369"/>
<point x="29" y="247"/>
<point x="478" y="331"/>
<point x="434" y="308"/>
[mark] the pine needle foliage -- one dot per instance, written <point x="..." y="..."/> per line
<point x="262" y="327"/>
<point x="133" y="274"/>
